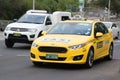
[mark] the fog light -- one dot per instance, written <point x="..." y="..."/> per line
<point x="32" y="55"/>
<point x="32" y="36"/>
<point x="78" y="57"/>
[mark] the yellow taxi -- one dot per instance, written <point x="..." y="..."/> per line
<point x="73" y="42"/>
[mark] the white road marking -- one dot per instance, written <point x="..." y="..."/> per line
<point x="23" y="55"/>
<point x="116" y="40"/>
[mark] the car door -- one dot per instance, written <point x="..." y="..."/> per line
<point x="100" y="49"/>
<point x="106" y="37"/>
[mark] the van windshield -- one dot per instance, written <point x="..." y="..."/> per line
<point x="37" y="19"/>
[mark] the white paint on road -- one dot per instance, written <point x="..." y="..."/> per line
<point x="23" y="55"/>
<point x="20" y="55"/>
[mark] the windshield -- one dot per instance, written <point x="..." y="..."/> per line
<point x="37" y="19"/>
<point x="77" y="28"/>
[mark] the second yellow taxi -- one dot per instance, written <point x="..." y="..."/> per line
<point x="73" y="42"/>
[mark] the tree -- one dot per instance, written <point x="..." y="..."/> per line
<point x="10" y="9"/>
<point x="115" y="5"/>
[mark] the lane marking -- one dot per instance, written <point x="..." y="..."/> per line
<point x="116" y="40"/>
<point x="22" y="55"/>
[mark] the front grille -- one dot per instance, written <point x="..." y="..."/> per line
<point x="59" y="59"/>
<point x="18" y="37"/>
<point x="21" y="39"/>
<point x="19" y="29"/>
<point x="52" y="49"/>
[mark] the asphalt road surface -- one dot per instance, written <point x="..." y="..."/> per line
<point x="16" y="65"/>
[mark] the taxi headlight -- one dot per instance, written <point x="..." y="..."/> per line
<point x="34" y="45"/>
<point x="32" y="30"/>
<point x="77" y="46"/>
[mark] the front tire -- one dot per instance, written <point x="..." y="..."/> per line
<point x="110" y="56"/>
<point x="117" y="37"/>
<point x="9" y="43"/>
<point x="90" y="59"/>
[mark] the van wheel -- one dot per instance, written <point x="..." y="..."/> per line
<point x="110" y="56"/>
<point x="90" y="59"/>
<point x="9" y="43"/>
<point x="117" y="37"/>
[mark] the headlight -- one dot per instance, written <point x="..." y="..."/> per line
<point x="77" y="46"/>
<point x="34" y="45"/>
<point x="32" y="30"/>
<point x="7" y="28"/>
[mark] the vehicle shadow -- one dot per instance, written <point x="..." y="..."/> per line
<point x="97" y="63"/>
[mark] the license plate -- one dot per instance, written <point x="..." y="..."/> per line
<point x="16" y="34"/>
<point x="51" y="56"/>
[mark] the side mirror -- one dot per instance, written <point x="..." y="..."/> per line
<point x="99" y="34"/>
<point x="43" y="32"/>
<point x="14" y="20"/>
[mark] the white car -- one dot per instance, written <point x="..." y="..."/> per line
<point x="115" y="29"/>
<point x="27" y="28"/>
<point x="30" y="26"/>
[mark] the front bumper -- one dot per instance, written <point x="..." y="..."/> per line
<point x="70" y="57"/>
<point x="22" y="37"/>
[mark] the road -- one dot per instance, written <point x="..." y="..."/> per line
<point x="15" y="65"/>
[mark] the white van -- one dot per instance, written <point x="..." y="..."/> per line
<point x="30" y="26"/>
<point x="60" y="16"/>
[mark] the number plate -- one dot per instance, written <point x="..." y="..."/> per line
<point x="51" y="56"/>
<point x="16" y="34"/>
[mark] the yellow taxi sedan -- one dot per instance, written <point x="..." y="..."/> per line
<point x="73" y="42"/>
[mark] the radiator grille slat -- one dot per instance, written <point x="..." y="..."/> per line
<point x="19" y="29"/>
<point x="52" y="49"/>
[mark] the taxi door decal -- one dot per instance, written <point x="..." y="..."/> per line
<point x="99" y="44"/>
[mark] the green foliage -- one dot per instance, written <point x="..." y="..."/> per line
<point x="10" y="9"/>
<point x="114" y="5"/>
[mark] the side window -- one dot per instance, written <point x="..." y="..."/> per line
<point x="48" y="21"/>
<point x="104" y="28"/>
<point x="99" y="27"/>
<point x="65" y="18"/>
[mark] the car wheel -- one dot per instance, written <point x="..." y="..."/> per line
<point x="90" y="59"/>
<point x="110" y="56"/>
<point x="9" y="43"/>
<point x="117" y="35"/>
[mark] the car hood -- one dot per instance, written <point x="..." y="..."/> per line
<point x="24" y="25"/>
<point x="61" y="40"/>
